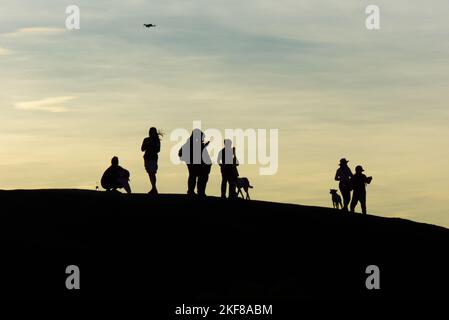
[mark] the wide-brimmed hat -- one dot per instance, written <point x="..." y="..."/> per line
<point x="343" y="161"/>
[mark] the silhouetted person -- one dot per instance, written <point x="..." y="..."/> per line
<point x="194" y="153"/>
<point x="228" y="166"/>
<point x="344" y="175"/>
<point x="115" y="177"/>
<point x="151" y="145"/>
<point x="359" y="181"/>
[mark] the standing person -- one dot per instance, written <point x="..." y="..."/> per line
<point x="194" y="153"/>
<point x="115" y="177"/>
<point x="344" y="175"/>
<point x="228" y="166"/>
<point x="151" y="145"/>
<point x="359" y="181"/>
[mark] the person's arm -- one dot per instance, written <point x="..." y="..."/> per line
<point x="235" y="160"/>
<point x="122" y="173"/>
<point x="144" y="145"/>
<point x="337" y="176"/>
<point x="220" y="157"/>
<point x="368" y="179"/>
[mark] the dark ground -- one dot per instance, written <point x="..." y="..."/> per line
<point x="180" y="250"/>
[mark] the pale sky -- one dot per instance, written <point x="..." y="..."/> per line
<point x="70" y="100"/>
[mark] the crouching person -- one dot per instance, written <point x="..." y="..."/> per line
<point x="115" y="177"/>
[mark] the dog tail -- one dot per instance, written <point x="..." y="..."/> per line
<point x="250" y="186"/>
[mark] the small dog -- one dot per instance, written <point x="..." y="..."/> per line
<point x="243" y="183"/>
<point x="336" y="199"/>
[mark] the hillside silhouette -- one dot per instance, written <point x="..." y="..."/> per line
<point x="175" y="248"/>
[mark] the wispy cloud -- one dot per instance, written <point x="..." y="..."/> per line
<point x="4" y="51"/>
<point x="51" y="104"/>
<point x="35" y="31"/>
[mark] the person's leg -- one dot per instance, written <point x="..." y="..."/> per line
<point x="200" y="186"/>
<point x="127" y="187"/>
<point x="191" y="182"/>
<point x="355" y="199"/>
<point x="346" y="194"/>
<point x="363" y="202"/>
<point x="223" y="185"/>
<point x="198" y="179"/>
<point x="202" y="183"/>
<point x="124" y="183"/>
<point x="203" y="177"/>
<point x="205" y="180"/>
<point x="153" y="182"/>
<point x="232" y="187"/>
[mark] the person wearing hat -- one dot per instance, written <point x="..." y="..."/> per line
<point x="359" y="181"/>
<point x="344" y="175"/>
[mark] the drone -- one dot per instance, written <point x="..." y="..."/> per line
<point x="149" y="25"/>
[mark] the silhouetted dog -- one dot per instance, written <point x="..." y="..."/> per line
<point x="336" y="199"/>
<point x="243" y="183"/>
